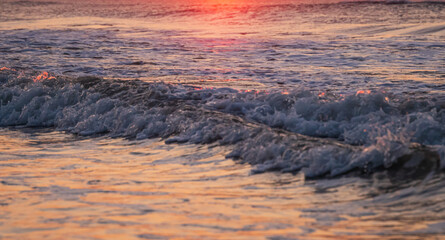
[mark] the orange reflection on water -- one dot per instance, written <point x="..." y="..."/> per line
<point x="363" y="92"/>
<point x="6" y="68"/>
<point x="43" y="76"/>
<point x="212" y="2"/>
<point x="114" y="190"/>
<point x="58" y="186"/>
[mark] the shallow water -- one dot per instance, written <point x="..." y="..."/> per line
<point x="56" y="185"/>
<point x="222" y="119"/>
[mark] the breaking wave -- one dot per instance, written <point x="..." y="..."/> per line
<point x="319" y="134"/>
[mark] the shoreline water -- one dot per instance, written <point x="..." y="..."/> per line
<point x="269" y="130"/>
<point x="222" y="119"/>
<point x="108" y="188"/>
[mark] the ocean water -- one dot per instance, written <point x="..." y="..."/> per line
<point x="222" y="119"/>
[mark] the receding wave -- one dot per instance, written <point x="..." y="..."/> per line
<point x="320" y="134"/>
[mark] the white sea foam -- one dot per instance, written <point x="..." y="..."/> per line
<point x="295" y="131"/>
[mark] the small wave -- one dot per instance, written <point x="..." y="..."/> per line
<point x="320" y="134"/>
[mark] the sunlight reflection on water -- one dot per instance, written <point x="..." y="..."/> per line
<point x="56" y="185"/>
<point x="280" y="44"/>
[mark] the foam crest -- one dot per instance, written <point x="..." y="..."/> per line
<point x="320" y="135"/>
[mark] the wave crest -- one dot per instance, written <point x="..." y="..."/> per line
<point x="318" y="134"/>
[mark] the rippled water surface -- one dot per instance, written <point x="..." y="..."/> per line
<point x="222" y="119"/>
<point x="250" y="44"/>
<point x="55" y="185"/>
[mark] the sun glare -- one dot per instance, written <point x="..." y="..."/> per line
<point x="222" y="1"/>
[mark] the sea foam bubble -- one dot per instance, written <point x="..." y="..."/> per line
<point x="318" y="134"/>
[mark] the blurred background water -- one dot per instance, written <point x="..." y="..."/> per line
<point x="341" y="47"/>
